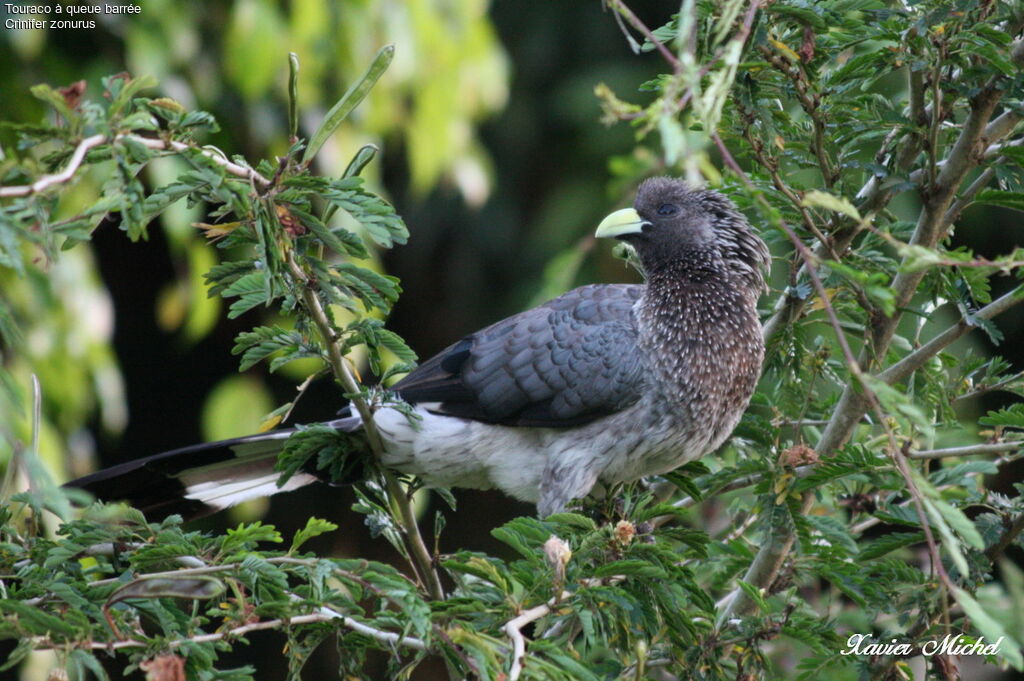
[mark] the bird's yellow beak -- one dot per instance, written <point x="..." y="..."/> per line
<point x="620" y="223"/>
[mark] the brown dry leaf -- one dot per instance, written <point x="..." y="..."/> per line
<point x="290" y="223"/>
<point x="165" y="667"/>
<point x="219" y="231"/>
<point x="72" y="94"/>
<point x="807" y="47"/>
<point x="798" y="455"/>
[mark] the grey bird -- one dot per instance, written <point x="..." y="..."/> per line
<point x="606" y="383"/>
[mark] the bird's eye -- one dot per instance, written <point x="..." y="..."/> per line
<point x="667" y="209"/>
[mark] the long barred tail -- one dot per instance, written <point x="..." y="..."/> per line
<point x="202" y="479"/>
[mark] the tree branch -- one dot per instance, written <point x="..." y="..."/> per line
<point x="916" y="359"/>
<point x="88" y="143"/>
<point x="69" y="171"/>
<point x="325" y="615"/>
<point x="422" y="562"/>
<point x="968" y="450"/>
<point x="634" y="21"/>
<point x="513" y="628"/>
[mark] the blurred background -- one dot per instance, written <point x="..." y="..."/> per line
<point x="492" y="149"/>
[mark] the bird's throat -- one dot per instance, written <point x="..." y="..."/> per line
<point x="700" y="330"/>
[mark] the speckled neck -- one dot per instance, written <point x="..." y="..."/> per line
<point x="699" y="328"/>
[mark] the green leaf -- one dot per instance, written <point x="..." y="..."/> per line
<point x="525" y="535"/>
<point x="196" y="588"/>
<point x="87" y="660"/>
<point x="339" y="240"/>
<point x="875" y="285"/>
<point x="263" y="341"/>
<point x="685" y="483"/>
<point x="221" y="276"/>
<point x="1008" y="417"/>
<point x="251" y="290"/>
<point x="314" y="528"/>
<point x="833" y="531"/>
<point x="955" y="475"/>
<point x="245" y="537"/>
<point x="393" y="342"/>
<point x="993" y="631"/>
<point x="487" y="569"/>
<point x="360" y="160"/>
<point x="293" y="94"/>
<point x="754" y="593"/>
<point x="950" y="541"/>
<point x="631" y="568"/>
<point x="36" y="620"/>
<point x="998" y="197"/>
<point x="129" y="89"/>
<point x="376" y="290"/>
<point x="889" y="543"/>
<point x="960" y="522"/>
<point x="349" y="101"/>
<point x="917" y="258"/>
<point x="899" y="403"/>
<point x="819" y="199"/>
<point x="340" y="454"/>
<point x="56" y="100"/>
<point x="802" y="15"/>
<point x="198" y="120"/>
<point x="574" y="521"/>
<point x="376" y="216"/>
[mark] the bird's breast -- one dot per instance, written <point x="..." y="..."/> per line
<point x="703" y="352"/>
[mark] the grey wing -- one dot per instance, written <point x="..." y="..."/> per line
<point x="567" y="362"/>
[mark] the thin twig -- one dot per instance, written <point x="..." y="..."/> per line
<point x="69" y="171"/>
<point x="801" y="472"/>
<point x="421" y="561"/>
<point x="771" y="164"/>
<point x="916" y="359"/>
<point x="88" y="143"/>
<point x="634" y="20"/>
<point x="325" y="615"/>
<point x="513" y="628"/>
<point x="968" y="450"/>
<point x="810" y="102"/>
<point x="983" y="389"/>
<point x="232" y="168"/>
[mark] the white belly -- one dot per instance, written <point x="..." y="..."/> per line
<point x="453" y="452"/>
<point x="545" y="465"/>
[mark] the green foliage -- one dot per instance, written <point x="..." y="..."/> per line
<point x="850" y="127"/>
<point x="829" y="137"/>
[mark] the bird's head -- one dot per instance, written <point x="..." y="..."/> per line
<point x="673" y="222"/>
